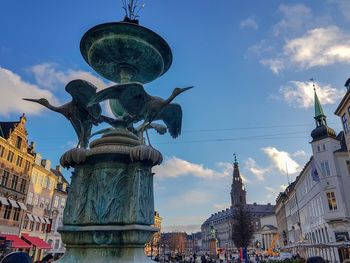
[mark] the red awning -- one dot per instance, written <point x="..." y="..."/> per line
<point x="16" y="241"/>
<point x="36" y="242"/>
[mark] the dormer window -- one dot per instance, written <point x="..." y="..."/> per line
<point x="18" y="142"/>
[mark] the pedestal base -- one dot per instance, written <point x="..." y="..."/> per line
<point x="107" y="244"/>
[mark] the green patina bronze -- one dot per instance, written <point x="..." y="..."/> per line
<point x="110" y="206"/>
<point x="126" y="52"/>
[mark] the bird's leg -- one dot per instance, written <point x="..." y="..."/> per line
<point x="142" y="129"/>
<point x="149" y="142"/>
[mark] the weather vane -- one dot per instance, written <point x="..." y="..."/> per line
<point x="132" y="10"/>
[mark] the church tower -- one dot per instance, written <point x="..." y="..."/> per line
<point x="238" y="192"/>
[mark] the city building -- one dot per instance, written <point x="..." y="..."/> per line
<point x="317" y="203"/>
<point x="152" y="248"/>
<point x="281" y="220"/>
<point x="222" y="221"/>
<point x="343" y="111"/>
<point x="16" y="162"/>
<point x="37" y="220"/>
<point x="269" y="233"/>
<point x="58" y="204"/>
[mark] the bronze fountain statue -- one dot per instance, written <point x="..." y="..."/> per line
<point x="110" y="206"/>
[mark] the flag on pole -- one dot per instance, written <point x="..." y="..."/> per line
<point x="314" y="173"/>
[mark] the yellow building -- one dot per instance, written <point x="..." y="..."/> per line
<point x="16" y="161"/>
<point x="37" y="221"/>
<point x="152" y="248"/>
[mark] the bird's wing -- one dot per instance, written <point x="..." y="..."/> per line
<point x="171" y="115"/>
<point x="82" y="91"/>
<point x="131" y="96"/>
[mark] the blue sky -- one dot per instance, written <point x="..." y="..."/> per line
<point x="250" y="62"/>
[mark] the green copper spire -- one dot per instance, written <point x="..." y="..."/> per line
<point x="318" y="107"/>
<point x="320" y="117"/>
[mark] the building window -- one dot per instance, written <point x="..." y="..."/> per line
<point x="332" y="202"/>
<point x="7" y="212"/>
<point x="47" y="203"/>
<point x="42" y="202"/>
<point x="27" y="166"/>
<point x="19" y="161"/>
<point x="323" y="147"/>
<point x="37" y="226"/>
<point x="55" y="204"/>
<point x="5" y="178"/>
<point x="43" y="228"/>
<point x="18" y="142"/>
<point x="25" y="223"/>
<point x="63" y="202"/>
<point x="325" y="168"/>
<point x="345" y="123"/>
<point x="10" y="156"/>
<point x="36" y="200"/>
<point x="318" y="148"/>
<point x="14" y="182"/>
<point x="2" y="150"/>
<point x="57" y="243"/>
<point x="23" y="186"/>
<point x="16" y="214"/>
<point x="348" y="166"/>
<point x="30" y="198"/>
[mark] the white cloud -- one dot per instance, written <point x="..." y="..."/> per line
<point x="275" y="64"/>
<point x="301" y="94"/>
<point x="319" y="47"/>
<point x="14" y="88"/>
<point x="282" y="160"/>
<point x="249" y="23"/>
<point x="299" y="153"/>
<point x="294" y="18"/>
<point x="174" y="167"/>
<point x="48" y="75"/>
<point x="259" y="172"/>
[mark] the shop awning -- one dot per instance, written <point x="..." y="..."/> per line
<point x="36" y="242"/>
<point x="16" y="241"/>
<point x="22" y="206"/>
<point x="36" y="218"/>
<point x="42" y="219"/>
<point x="4" y="201"/>
<point x="30" y="217"/>
<point x="47" y="220"/>
<point x="13" y="203"/>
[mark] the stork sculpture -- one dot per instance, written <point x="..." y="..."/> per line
<point x="77" y="111"/>
<point x="139" y="106"/>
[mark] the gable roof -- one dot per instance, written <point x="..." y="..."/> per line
<point x="6" y="128"/>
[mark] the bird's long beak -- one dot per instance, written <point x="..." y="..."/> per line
<point x="32" y="100"/>
<point x="184" y="89"/>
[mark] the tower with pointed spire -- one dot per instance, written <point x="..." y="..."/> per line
<point x="322" y="130"/>
<point x="238" y="192"/>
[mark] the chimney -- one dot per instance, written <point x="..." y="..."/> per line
<point x="58" y="168"/>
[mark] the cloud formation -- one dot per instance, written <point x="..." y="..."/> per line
<point x="48" y="76"/>
<point x="249" y="23"/>
<point x="259" y="172"/>
<point x="175" y="167"/>
<point x="319" y="47"/>
<point x="301" y="94"/>
<point x="282" y="160"/>
<point x="14" y="88"/>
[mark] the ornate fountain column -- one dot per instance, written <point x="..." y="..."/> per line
<point x="110" y="207"/>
